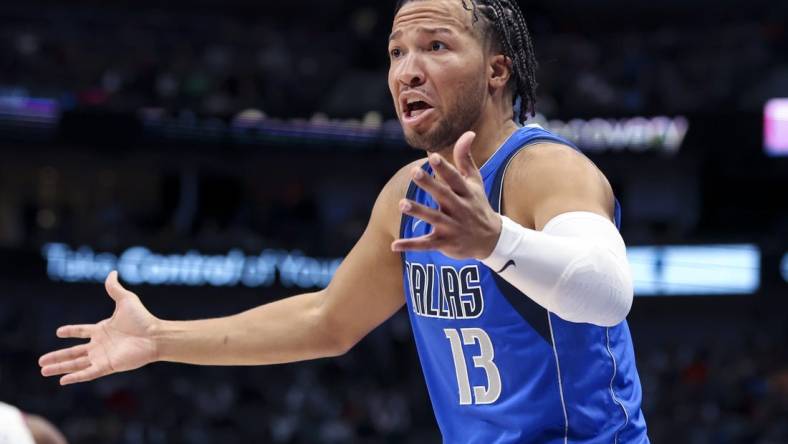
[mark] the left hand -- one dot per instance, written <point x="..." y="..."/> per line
<point x="464" y="225"/>
<point x="121" y="342"/>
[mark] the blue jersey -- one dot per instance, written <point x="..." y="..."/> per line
<point x="500" y="368"/>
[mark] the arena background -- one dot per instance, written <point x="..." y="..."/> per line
<point x="223" y="154"/>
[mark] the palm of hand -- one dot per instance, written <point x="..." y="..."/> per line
<point x="120" y="343"/>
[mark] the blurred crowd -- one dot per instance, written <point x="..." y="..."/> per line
<point x="731" y="392"/>
<point x="222" y="62"/>
<point x="184" y="207"/>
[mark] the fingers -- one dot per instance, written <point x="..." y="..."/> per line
<point x="421" y="243"/>
<point x="75" y="331"/>
<point x="114" y="289"/>
<point x="464" y="165"/>
<point x="453" y="175"/>
<point x="449" y="174"/>
<point x="72" y="366"/>
<point x="463" y="157"/>
<point x="74" y="362"/>
<point x="66" y="354"/>
<point x="442" y="194"/>
<point x="85" y="375"/>
<point x="429" y="215"/>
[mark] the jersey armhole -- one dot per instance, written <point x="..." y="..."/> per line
<point x="410" y="195"/>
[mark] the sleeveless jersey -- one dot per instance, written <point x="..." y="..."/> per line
<point x="501" y="369"/>
<point x="13" y="429"/>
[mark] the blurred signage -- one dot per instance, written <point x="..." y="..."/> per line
<point x="637" y="134"/>
<point x="775" y="127"/>
<point x="657" y="271"/>
<point x="139" y="265"/>
<point x="695" y="270"/>
<point x="253" y="127"/>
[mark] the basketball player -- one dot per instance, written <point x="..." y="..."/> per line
<point x="503" y="243"/>
<point x="20" y="428"/>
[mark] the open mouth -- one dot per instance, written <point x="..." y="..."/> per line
<point x="414" y="109"/>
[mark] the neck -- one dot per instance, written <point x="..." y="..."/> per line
<point x="490" y="135"/>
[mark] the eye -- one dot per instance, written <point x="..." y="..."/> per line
<point x="437" y="46"/>
<point x="395" y="53"/>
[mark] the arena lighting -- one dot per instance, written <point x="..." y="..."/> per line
<point x="664" y="270"/>
<point x="784" y="267"/>
<point x="775" y="127"/>
<point x="695" y="270"/>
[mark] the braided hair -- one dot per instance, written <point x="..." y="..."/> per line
<point x="503" y="21"/>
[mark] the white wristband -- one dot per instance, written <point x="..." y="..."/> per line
<point x="575" y="267"/>
<point x="511" y="235"/>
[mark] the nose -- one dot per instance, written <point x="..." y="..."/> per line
<point x="410" y="72"/>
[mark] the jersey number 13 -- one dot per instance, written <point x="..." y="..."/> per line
<point x="471" y="336"/>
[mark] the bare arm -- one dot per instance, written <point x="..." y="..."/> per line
<point x="366" y="290"/>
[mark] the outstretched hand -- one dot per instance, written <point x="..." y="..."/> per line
<point x="464" y="225"/>
<point x="119" y="343"/>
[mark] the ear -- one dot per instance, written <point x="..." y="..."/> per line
<point x="500" y="69"/>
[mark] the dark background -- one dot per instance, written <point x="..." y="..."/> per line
<point x="208" y="125"/>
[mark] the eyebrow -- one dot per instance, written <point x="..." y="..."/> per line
<point x="439" y="30"/>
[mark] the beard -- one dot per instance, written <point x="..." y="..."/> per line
<point x="457" y="119"/>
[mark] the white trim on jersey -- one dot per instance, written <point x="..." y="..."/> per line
<point x="506" y="167"/>
<point x="497" y="149"/>
<point x="612" y="392"/>
<point x="549" y="321"/>
<point x="560" y="384"/>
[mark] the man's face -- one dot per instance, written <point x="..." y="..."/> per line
<point x="437" y="75"/>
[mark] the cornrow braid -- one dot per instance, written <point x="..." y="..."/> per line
<point x="504" y="22"/>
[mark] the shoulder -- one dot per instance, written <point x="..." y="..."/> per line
<point x="397" y="187"/>
<point x="547" y="165"/>
<point x="549" y="178"/>
<point x="386" y="211"/>
<point x="551" y="156"/>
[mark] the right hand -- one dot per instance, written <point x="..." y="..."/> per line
<point x="120" y="343"/>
